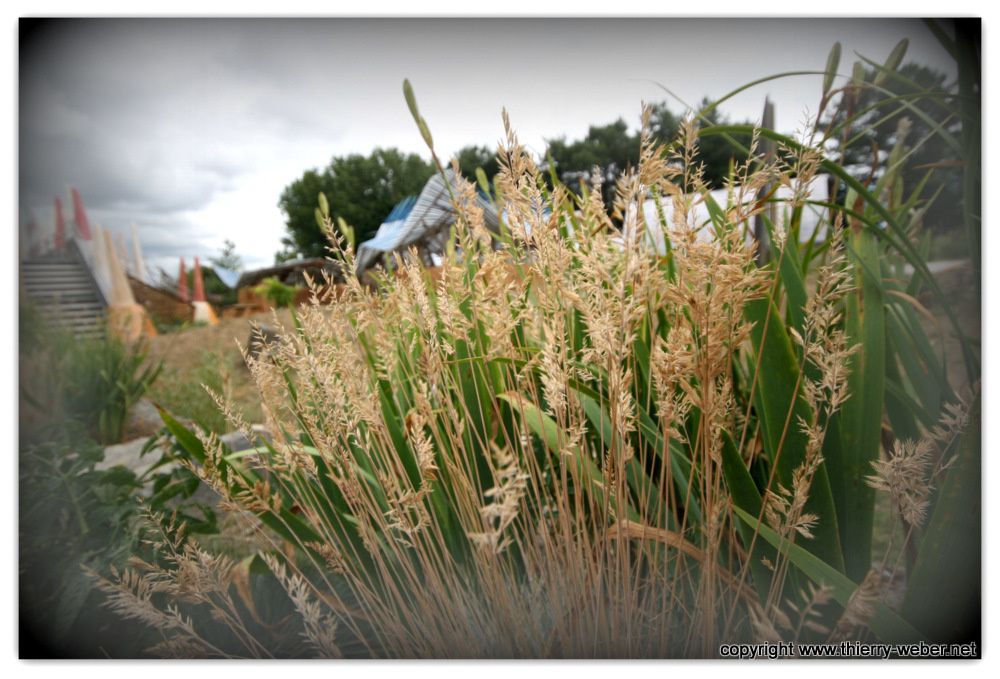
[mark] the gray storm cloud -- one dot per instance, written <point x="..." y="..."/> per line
<point x="191" y="128"/>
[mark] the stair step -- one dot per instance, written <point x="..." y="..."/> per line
<point x="55" y="285"/>
<point x="50" y="281"/>
<point x="64" y="293"/>
<point x="52" y="290"/>
<point x="62" y="303"/>
<point x="52" y="312"/>
<point x="52" y="270"/>
<point x="60" y="278"/>
<point x="49" y="265"/>
<point x="79" y="328"/>
<point x="71" y="309"/>
<point x="42" y="285"/>
<point x="43" y="275"/>
<point x="88" y="322"/>
<point x="43" y="302"/>
<point x="72" y="316"/>
<point x="41" y="305"/>
<point x="77" y="320"/>
<point x="54" y="276"/>
<point x="58" y="293"/>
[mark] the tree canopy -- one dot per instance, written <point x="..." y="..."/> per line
<point x="227" y="257"/>
<point x="360" y="189"/>
<point x="471" y="157"/>
<point x="363" y="189"/>
<point x="870" y="137"/>
<point x="614" y="148"/>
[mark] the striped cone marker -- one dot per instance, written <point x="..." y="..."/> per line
<point x="203" y="311"/>
<point x="138" y="263"/>
<point x="60" y="237"/>
<point x="182" y="283"/>
<point x="80" y="216"/>
<point x="126" y="319"/>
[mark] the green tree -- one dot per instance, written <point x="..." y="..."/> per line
<point x="611" y="147"/>
<point x="614" y="148"/>
<point x="716" y="152"/>
<point x="360" y="189"/>
<point x="227" y="257"/>
<point x="873" y="135"/>
<point x="214" y="287"/>
<point x="471" y="157"/>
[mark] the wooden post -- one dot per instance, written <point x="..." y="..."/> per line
<point x="140" y="265"/>
<point x="760" y="229"/>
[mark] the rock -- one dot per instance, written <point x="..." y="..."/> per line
<point x="261" y="339"/>
<point x="127" y="455"/>
<point x="143" y="420"/>
<point x="237" y="441"/>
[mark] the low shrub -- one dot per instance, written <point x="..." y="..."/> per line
<point x="79" y="518"/>
<point x="90" y="381"/>
<point x="281" y="296"/>
<point x="184" y="392"/>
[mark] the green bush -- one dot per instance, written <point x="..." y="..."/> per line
<point x="277" y="293"/>
<point x="75" y="520"/>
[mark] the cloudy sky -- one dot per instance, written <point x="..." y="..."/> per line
<point x="190" y="129"/>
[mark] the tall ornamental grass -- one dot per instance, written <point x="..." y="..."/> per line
<point x="564" y="445"/>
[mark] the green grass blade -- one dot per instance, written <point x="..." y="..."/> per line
<point x="944" y="588"/>
<point x="547" y="430"/>
<point x="885" y="623"/>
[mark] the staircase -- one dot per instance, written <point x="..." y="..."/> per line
<point x="60" y="285"/>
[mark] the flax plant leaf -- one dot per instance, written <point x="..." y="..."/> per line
<point x="745" y="494"/>
<point x="780" y="407"/>
<point x="892" y="62"/>
<point x="861" y="418"/>
<point x="832" y="62"/>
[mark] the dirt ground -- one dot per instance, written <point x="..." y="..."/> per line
<point x="182" y="349"/>
<point x="204" y="353"/>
